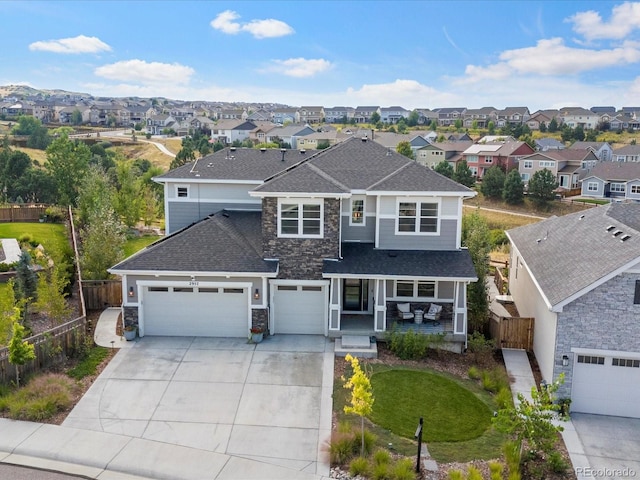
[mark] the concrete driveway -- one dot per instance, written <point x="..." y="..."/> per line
<point x="269" y="402"/>
<point x="611" y="445"/>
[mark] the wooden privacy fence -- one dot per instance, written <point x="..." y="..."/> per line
<point x="99" y="294"/>
<point x="512" y="332"/>
<point x="501" y="281"/>
<point x="50" y="348"/>
<point x="22" y="213"/>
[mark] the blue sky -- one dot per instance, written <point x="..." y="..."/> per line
<point x="417" y="54"/>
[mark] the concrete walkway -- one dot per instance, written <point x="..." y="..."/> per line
<point x="11" y="249"/>
<point x="105" y="332"/>
<point x="519" y="371"/>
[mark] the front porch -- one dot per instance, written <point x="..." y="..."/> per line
<point x="351" y="324"/>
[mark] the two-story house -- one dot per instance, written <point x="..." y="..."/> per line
<point x="229" y="131"/>
<point x="512" y="116"/>
<point x="393" y="114"/>
<point x="448" y="115"/>
<point x="325" y="242"/>
<point x="434" y="153"/>
<point x="541" y="117"/>
<point x="479" y="117"/>
<point x="579" y="117"/>
<point x="567" y="166"/>
<point x="311" y="114"/>
<point x="602" y="150"/>
<point x="505" y="154"/>
<point x="362" y="114"/>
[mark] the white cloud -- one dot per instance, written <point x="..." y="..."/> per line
<point x="267" y="28"/>
<point x="139" y="71"/>
<point x="79" y="44"/>
<point x="625" y="18"/>
<point x="553" y="57"/>
<point x="299" y="67"/>
<point x="406" y="93"/>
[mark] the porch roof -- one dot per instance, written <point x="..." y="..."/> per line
<point x="363" y="259"/>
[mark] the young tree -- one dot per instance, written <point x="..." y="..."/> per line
<point x="7" y="306"/>
<point x="543" y="127"/>
<point x="103" y="240"/>
<point x="76" y="117"/>
<point x="493" y="182"/>
<point x="433" y="125"/>
<point x="51" y="294"/>
<point x="128" y="202"/>
<point x="20" y="352"/>
<point x="578" y="133"/>
<point x="491" y="128"/>
<point x="67" y="162"/>
<point x="404" y="148"/>
<point x="95" y="192"/>
<point x="463" y="175"/>
<point x="375" y="118"/>
<point x="444" y="168"/>
<point x="475" y="236"/>
<point x="361" y="401"/>
<point x="553" y="125"/>
<point x="458" y="124"/>
<point x="474" y="125"/>
<point x="541" y="186"/>
<point x="513" y="192"/>
<point x="26" y="281"/>
<point x="412" y="120"/>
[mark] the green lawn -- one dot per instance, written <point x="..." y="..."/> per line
<point x="457" y="413"/>
<point x="52" y="236"/>
<point x="135" y="244"/>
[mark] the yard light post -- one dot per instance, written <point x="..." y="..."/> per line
<point x="419" y="437"/>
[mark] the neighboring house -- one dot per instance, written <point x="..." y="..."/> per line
<point x="601" y="110"/>
<point x="157" y="123"/>
<point x="338" y="114"/>
<point x="512" y="116"/>
<point x="290" y="134"/>
<point x="286" y="115"/>
<point x="393" y="114"/>
<point x="260" y="134"/>
<point x="325" y="242"/>
<point x="311" y="141"/>
<point x="579" y="276"/>
<point x="579" y="117"/>
<point x="567" y="166"/>
<point x="448" y="116"/>
<point x="544" y="144"/>
<point x="504" y="154"/>
<point x="628" y="153"/>
<point x="311" y="114"/>
<point x="362" y="114"/>
<point x="481" y="117"/>
<point x="233" y="114"/>
<point x="434" y="153"/>
<point x="618" y="180"/>
<point x="602" y="150"/>
<point x="426" y="116"/>
<point x="260" y="115"/>
<point x="229" y="131"/>
<point x="458" y="137"/>
<point x="542" y="116"/>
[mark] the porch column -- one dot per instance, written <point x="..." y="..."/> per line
<point x="460" y="309"/>
<point x="334" y="304"/>
<point x="380" y="311"/>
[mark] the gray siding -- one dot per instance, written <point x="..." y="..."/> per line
<point x="183" y="214"/>
<point x="604" y="319"/>
<point x="366" y="233"/>
<point x="597" y="193"/>
<point x="635" y="196"/>
<point x="445" y="241"/>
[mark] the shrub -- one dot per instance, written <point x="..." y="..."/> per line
<point x="403" y="469"/>
<point x="381" y="471"/>
<point x="410" y="345"/>
<point x="89" y="364"/>
<point x="481" y="348"/>
<point x="494" y="380"/>
<point x="474" y="373"/>
<point x="341" y="447"/>
<point x="359" y="466"/>
<point x="473" y="473"/>
<point x="25" y="238"/>
<point x="557" y="463"/>
<point x="497" y="238"/>
<point x="55" y="214"/>
<point x="503" y="398"/>
<point x="512" y="457"/>
<point x="381" y="456"/>
<point x="456" y="475"/>
<point x="40" y="399"/>
<point x="495" y="470"/>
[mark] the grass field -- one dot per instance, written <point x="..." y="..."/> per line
<point x="136" y="244"/>
<point x="50" y="235"/>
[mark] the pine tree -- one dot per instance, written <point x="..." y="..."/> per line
<point x="513" y="191"/>
<point x="463" y="174"/>
<point x="444" y="168"/>
<point x="541" y="186"/>
<point x="493" y="182"/>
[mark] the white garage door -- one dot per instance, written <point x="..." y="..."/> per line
<point x="196" y="311"/>
<point x="606" y="385"/>
<point x="299" y="309"/>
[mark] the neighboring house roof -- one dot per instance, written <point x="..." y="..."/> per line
<point x="222" y="242"/>
<point x="565" y="155"/>
<point x="627" y="150"/>
<point x="616" y="171"/>
<point x="365" y="259"/>
<point x="567" y="244"/>
<point x="358" y="164"/>
<point x="586" y="145"/>
<point x="549" y="143"/>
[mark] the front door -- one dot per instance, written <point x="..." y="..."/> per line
<point x="355" y="295"/>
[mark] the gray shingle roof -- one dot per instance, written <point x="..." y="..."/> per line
<point x="364" y="165"/>
<point x="364" y="259"/>
<point x="570" y="254"/>
<point x="223" y="242"/>
<point x="616" y="171"/>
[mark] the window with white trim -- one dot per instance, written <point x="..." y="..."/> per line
<point x="527" y="164"/>
<point x="635" y="189"/>
<point x="417" y="217"/>
<point x="616" y="187"/>
<point x="546" y="164"/>
<point x="301" y="218"/>
<point x="357" y="211"/>
<point x="488" y="159"/>
<point x="592" y="187"/>
<point x="474" y="171"/>
<point x="524" y="177"/>
<point x="182" y="191"/>
<point x="418" y="289"/>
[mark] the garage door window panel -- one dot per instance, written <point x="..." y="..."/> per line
<point x="593" y="360"/>
<point x="625" y="362"/>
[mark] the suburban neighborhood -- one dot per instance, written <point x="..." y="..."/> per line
<point x="235" y="286"/>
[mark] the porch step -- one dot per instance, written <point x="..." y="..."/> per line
<point x="357" y="345"/>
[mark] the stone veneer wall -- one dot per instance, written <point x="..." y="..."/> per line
<point x="301" y="258"/>
<point x="603" y="319"/>
<point x="260" y="318"/>
<point x="130" y="316"/>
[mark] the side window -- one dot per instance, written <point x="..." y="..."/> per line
<point x="636" y="297"/>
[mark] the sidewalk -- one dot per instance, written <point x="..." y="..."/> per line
<point x="519" y="369"/>
<point x="105" y="332"/>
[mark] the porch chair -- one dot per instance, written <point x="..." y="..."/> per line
<point x="433" y="314"/>
<point x="404" y="312"/>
